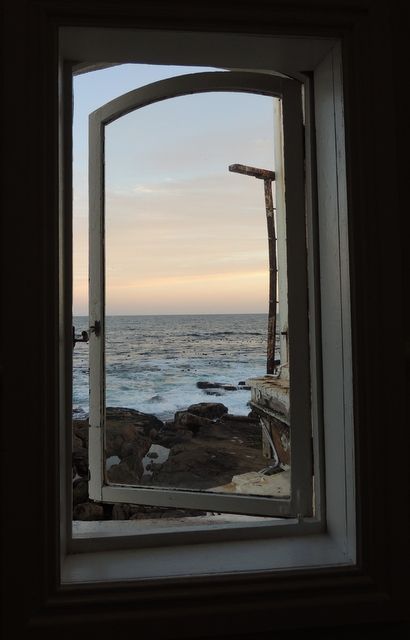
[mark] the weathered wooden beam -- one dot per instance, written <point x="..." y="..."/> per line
<point x="268" y="177"/>
<point x="270" y="222"/>
<point x="263" y="174"/>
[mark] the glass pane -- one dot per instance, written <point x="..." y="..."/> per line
<point x="187" y="300"/>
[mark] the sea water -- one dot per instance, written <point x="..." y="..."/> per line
<point x="153" y="363"/>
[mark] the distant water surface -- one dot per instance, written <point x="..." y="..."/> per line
<point x="154" y="362"/>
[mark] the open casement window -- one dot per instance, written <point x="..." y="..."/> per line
<point x="297" y="500"/>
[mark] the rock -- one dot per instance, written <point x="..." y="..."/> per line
<point x="191" y="420"/>
<point x="80" y="491"/>
<point x="125" y="439"/>
<point x="210" y="410"/>
<point x="88" y="511"/>
<point x="126" y="472"/>
<point x="80" y="430"/>
<point x="144" y="421"/>
<point x="178" y="448"/>
<point x="80" y="461"/>
<point x="235" y="418"/>
<point x="77" y="442"/>
<point x="124" y="511"/>
<point x="196" y="468"/>
<point x="170" y="437"/>
<point x="203" y="384"/>
<point x="210" y="432"/>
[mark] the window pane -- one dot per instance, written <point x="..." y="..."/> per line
<point x="187" y="300"/>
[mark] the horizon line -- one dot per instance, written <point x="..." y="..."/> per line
<point x="232" y="313"/>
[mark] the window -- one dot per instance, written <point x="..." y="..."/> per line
<point x="252" y="586"/>
<point x="288" y="94"/>
<point x="323" y="335"/>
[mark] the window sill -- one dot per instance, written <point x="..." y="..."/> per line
<point x="205" y="560"/>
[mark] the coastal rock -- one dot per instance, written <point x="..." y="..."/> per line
<point x="169" y="437"/>
<point x="77" y="442"/>
<point x="204" y="384"/>
<point x="145" y="422"/>
<point x="191" y="420"/>
<point x="143" y="512"/>
<point x="80" y="491"/>
<point x="124" y="511"/>
<point x="80" y="431"/>
<point x="124" y="439"/>
<point x="196" y="468"/>
<point x="88" y="511"/>
<point x="80" y="461"/>
<point x="210" y="410"/>
<point x="127" y="472"/>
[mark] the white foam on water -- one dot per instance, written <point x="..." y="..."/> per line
<point x="153" y="363"/>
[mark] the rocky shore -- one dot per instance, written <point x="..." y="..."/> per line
<point x="203" y="447"/>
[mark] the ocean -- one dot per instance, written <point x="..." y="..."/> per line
<point x="153" y="363"/>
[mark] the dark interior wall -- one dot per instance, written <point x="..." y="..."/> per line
<point x="377" y="121"/>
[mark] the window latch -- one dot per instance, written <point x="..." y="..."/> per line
<point x="96" y="328"/>
<point x="84" y="337"/>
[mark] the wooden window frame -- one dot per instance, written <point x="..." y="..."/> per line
<point x="243" y="599"/>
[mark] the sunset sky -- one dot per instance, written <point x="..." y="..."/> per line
<point x="183" y="234"/>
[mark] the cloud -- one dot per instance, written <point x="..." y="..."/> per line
<point x="182" y="232"/>
<point x="140" y="188"/>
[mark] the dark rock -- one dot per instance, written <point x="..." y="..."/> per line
<point x="88" y="511"/>
<point x="196" y="468"/>
<point x="229" y="387"/>
<point x="144" y="421"/>
<point x="80" y="430"/>
<point x="191" y="420"/>
<point x="209" y="410"/>
<point x="170" y="437"/>
<point x="80" y="491"/>
<point x="203" y="384"/>
<point x="135" y="465"/>
<point x="230" y="417"/>
<point x="124" y="511"/>
<point x="77" y="442"/>
<point x="124" y="473"/>
<point x="124" y="439"/>
<point x="241" y="383"/>
<point x="178" y="448"/>
<point x="211" y="432"/>
<point x="80" y="461"/>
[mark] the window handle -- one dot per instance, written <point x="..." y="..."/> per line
<point x="84" y="337"/>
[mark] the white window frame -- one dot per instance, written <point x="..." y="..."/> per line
<point x="329" y="539"/>
<point x="289" y="93"/>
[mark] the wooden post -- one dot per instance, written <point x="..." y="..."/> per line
<point x="267" y="177"/>
<point x="270" y="221"/>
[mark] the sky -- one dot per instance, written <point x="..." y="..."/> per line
<point x="183" y="234"/>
